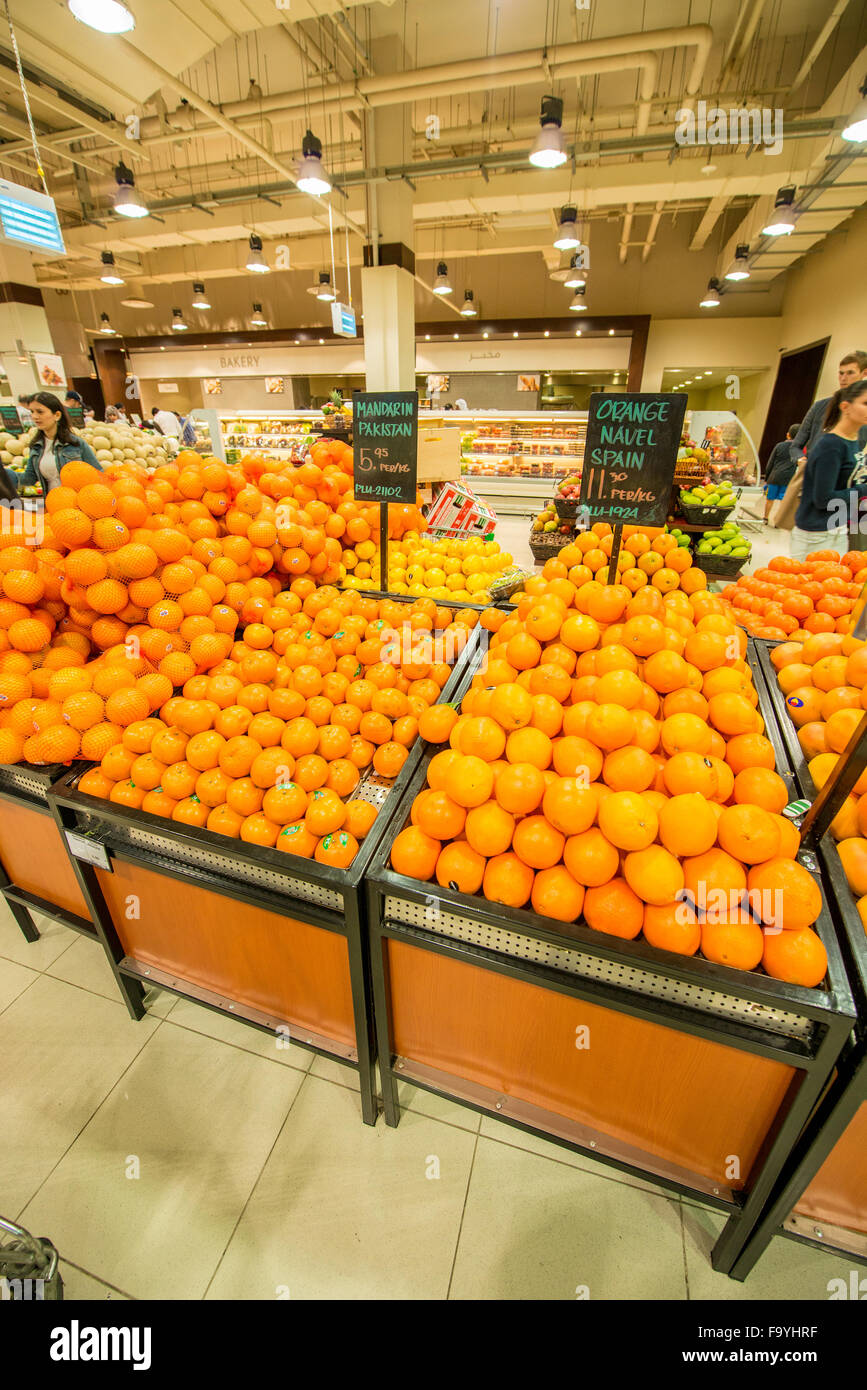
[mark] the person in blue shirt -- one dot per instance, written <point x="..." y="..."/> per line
<point x="53" y="445"/>
<point x="835" y="478"/>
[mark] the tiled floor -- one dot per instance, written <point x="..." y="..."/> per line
<point x="187" y="1157"/>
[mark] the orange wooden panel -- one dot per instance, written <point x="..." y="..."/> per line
<point x="686" y="1100"/>
<point x="35" y="858"/>
<point x="291" y="969"/>
<point x="838" y="1192"/>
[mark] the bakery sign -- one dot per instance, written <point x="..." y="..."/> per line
<point x="239" y="361"/>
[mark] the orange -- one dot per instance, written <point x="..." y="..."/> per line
<point x="798" y="957"/>
<point x="759" y="786"/>
<point x="557" y="894"/>
<point x="591" y="858"/>
<point x="685" y="733"/>
<point x="438" y="767"/>
<point x="116" y="763"/>
<point x="672" y="927"/>
<point x="468" y="781"/>
<point x="203" y="750"/>
<point x="436" y="723"/>
<point x="140" y="735"/>
<point x="93" y="783"/>
<point x="748" y="833"/>
<point x="610" y="726"/>
<point x="613" y="908"/>
<point x="489" y="828"/>
<point x="654" y="875"/>
<point x="519" y="788"/>
<point x="179" y="780"/>
<point x="784" y="894"/>
<point x="529" y="746"/>
<point x="628" y="821"/>
<point x="578" y="757"/>
<point x="83" y="710"/>
<point x="537" y="843"/>
<point x="629" y="769"/>
<point x="360" y="816"/>
<point x="569" y="806"/>
<point x="311" y="771"/>
<point x="508" y="880"/>
<point x="749" y="750"/>
<point x="713" y="872"/>
<point x="414" y="854"/>
<point x="224" y="821"/>
<point x="738" y="944"/>
<point x="325" y="812"/>
<point x="687" y="825"/>
<point x="297" y="839"/>
<point x="388" y="759"/>
<point x="127" y="794"/>
<point x="125" y="706"/>
<point x="840" y="728"/>
<point x="511" y="706"/>
<point x="337" y="849"/>
<point x="440" y="817"/>
<point x="461" y="868"/>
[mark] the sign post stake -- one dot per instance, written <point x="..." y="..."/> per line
<point x="850" y="765"/>
<point x="615" y="552"/>
<point x="383" y="546"/>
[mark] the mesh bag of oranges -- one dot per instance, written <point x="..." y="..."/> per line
<point x="609" y="766"/>
<point x="272" y="743"/>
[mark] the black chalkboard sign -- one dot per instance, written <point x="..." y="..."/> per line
<point x="76" y="416"/>
<point x="385" y="445"/>
<point x="630" y="456"/>
<point x="10" y="420"/>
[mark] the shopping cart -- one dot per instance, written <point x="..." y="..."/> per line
<point x="28" y="1266"/>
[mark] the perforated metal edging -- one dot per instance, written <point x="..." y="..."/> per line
<point x="33" y="782"/>
<point x="574" y="962"/>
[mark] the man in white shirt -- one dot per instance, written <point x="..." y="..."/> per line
<point x="166" y="422"/>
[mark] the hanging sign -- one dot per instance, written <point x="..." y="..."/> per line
<point x="630" y="455"/>
<point x="343" y="320"/>
<point x="28" y="218"/>
<point x="385" y="445"/>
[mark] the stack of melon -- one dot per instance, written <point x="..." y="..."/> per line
<point x="121" y="443"/>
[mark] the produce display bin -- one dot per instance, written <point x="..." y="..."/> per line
<point x="263" y="936"/>
<point x="695" y="1075"/>
<point x="35" y="873"/>
<point x="821" y="1197"/>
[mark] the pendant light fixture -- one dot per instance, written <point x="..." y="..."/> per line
<point x="258" y="320"/>
<point x="549" y="150"/>
<point x="200" y="299"/>
<point x="255" y="260"/>
<point x="468" y="309"/>
<point x="856" y="126"/>
<point x="178" y="323"/>
<point x="567" y="238"/>
<point x="109" y="274"/>
<point x="312" y="177"/>
<point x="578" y="305"/>
<point x="442" y="284"/>
<point x="710" y="298"/>
<point x="740" y="266"/>
<point x="107" y="16"/>
<point x="324" y="290"/>
<point x="782" y="219"/>
<point x="105" y="326"/>
<point x="576" y="276"/>
<point x="127" y="201"/>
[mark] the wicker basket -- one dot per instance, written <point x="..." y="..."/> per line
<point x="706" y="516"/>
<point x="726" y="566"/>
<point x="566" y="510"/>
<point x="544" y="549"/>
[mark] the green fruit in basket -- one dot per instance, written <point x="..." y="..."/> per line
<point x="691" y="499"/>
<point x="683" y="540"/>
<point x="740" y="551"/>
<point x="705" y="548"/>
<point x="724" y="549"/>
<point x="550" y="526"/>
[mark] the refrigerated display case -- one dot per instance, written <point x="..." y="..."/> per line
<point x="512" y="459"/>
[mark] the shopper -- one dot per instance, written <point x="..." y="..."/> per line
<point x="166" y="422"/>
<point x="73" y="398"/>
<point x="188" y="430"/>
<point x="851" y="368"/>
<point x="53" y="445"/>
<point x="835" y="478"/>
<point x="781" y="469"/>
<point x="24" y="411"/>
<point x="111" y="415"/>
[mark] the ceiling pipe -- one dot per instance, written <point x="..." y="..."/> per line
<point x="254" y="146"/>
<point x="824" y="34"/>
<point x="652" y="230"/>
<point x="623" y="251"/>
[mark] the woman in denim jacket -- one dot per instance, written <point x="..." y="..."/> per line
<point x="53" y="445"/>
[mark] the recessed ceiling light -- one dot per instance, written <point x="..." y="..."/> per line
<point x="427" y="337"/>
<point x="322" y="340"/>
<point x="514" y="335"/>
<point x="456" y="335"/>
<point x="577" y="332"/>
<point x="108" y="16"/>
<point x="137" y="303"/>
<point x="486" y="335"/>
<point x="611" y="332"/>
<point x="708" y="168"/>
<point x="708" y="373"/>
<point x="547" y="333"/>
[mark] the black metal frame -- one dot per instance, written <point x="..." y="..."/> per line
<point x="109" y="824"/>
<point x="848" y="1089"/>
<point x="23" y="904"/>
<point x="830" y="1011"/>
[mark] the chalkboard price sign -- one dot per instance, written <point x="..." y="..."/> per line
<point x="630" y="456"/>
<point x="10" y="420"/>
<point x="385" y="445"/>
<point x="76" y="416"/>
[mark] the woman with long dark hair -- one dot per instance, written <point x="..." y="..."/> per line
<point x="54" y="444"/>
<point x="835" y="479"/>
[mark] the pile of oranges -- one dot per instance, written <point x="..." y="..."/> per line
<point x="164" y="564"/>
<point x="270" y="744"/>
<point x="647" y="557"/>
<point x="824" y="681"/>
<point x="799" y="598"/>
<point x="609" y="764"/>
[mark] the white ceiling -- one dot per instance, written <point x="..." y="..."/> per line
<point x="475" y="198"/>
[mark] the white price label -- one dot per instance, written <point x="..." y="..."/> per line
<point x="91" y="851"/>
